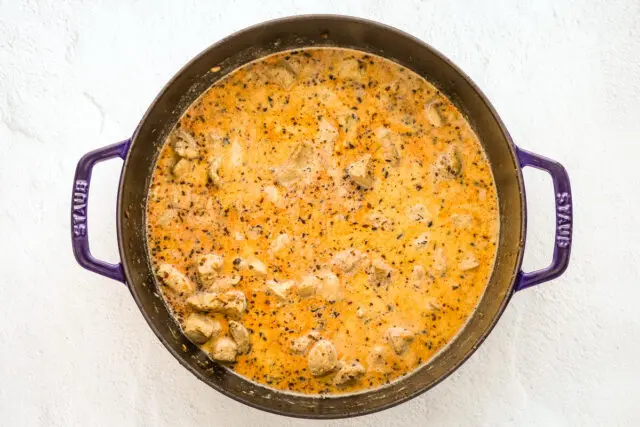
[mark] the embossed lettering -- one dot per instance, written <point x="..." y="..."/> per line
<point x="563" y="198"/>
<point x="564" y="220"/>
<point x="79" y="197"/>
<point x="81" y="185"/>
<point x="79" y="230"/>
<point x="79" y="214"/>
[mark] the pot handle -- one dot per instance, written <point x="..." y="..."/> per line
<point x="564" y="220"/>
<point x="79" y="203"/>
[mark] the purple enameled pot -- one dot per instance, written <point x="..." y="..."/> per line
<point x="141" y="150"/>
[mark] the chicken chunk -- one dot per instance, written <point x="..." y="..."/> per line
<point x="433" y="114"/>
<point x="185" y="145"/>
<point x="380" y="273"/>
<point x="468" y="263"/>
<point x="224" y="350"/>
<point x="419" y="277"/>
<point x="301" y="161"/>
<point x="399" y="339"/>
<point x="439" y="260"/>
<point x="257" y="267"/>
<point x="208" y="266"/>
<point x="328" y="286"/>
<point x="191" y="172"/>
<point x="282" y="241"/>
<point x="240" y="335"/>
<point x="432" y="305"/>
<point x="237" y="154"/>
<point x="348" y="372"/>
<point x="206" y="301"/>
<point x="214" y="168"/>
<point x="348" y="121"/>
<point x="349" y="69"/>
<point x="377" y="220"/>
<point x="322" y="358"/>
<point x="199" y="328"/>
<point x="327" y="133"/>
<point x="308" y="286"/>
<point x="463" y="221"/>
<point x="361" y="172"/>
<point x="349" y="261"/>
<point x="390" y="151"/>
<point x="175" y="279"/>
<point x="448" y="165"/>
<point x="272" y="193"/>
<point x="255" y="232"/>
<point x="377" y="359"/>
<point x="182" y="168"/>
<point x="421" y="241"/>
<point x="283" y="74"/>
<point x="419" y="213"/>
<point x="301" y="344"/>
<point x="280" y="289"/>
<point x="233" y="303"/>
<point x="223" y="284"/>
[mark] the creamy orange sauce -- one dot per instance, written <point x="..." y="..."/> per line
<point x="294" y="159"/>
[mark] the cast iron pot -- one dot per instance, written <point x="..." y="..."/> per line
<point x="141" y="150"/>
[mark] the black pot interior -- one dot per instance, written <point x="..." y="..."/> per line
<point x="291" y="33"/>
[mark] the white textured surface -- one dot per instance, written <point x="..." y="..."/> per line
<point x="74" y="76"/>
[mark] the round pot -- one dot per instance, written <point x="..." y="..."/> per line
<point x="140" y="152"/>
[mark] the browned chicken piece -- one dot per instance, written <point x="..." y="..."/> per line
<point x="349" y="261"/>
<point x="258" y="267"/>
<point x="185" y="145"/>
<point x="236" y="155"/>
<point x="308" y="286"/>
<point x="206" y="301"/>
<point x="303" y="159"/>
<point x="419" y="277"/>
<point x="380" y="273"/>
<point x="361" y="172"/>
<point x="422" y="240"/>
<point x="214" y="169"/>
<point x="419" y="213"/>
<point x="208" y="266"/>
<point x="390" y="152"/>
<point x="348" y="372"/>
<point x="199" y="328"/>
<point x="327" y="133"/>
<point x="399" y="339"/>
<point x="433" y="114"/>
<point x="240" y="335"/>
<point x="281" y="242"/>
<point x="174" y="279"/>
<point x="439" y="260"/>
<point x="329" y="286"/>
<point x="283" y="74"/>
<point x="377" y="359"/>
<point x="448" y="164"/>
<point x="280" y="289"/>
<point x="190" y="171"/>
<point x="224" y="350"/>
<point x="322" y="358"/>
<point x="223" y="284"/>
<point x="468" y="263"/>
<point x="301" y="344"/>
<point x="233" y="303"/>
<point x="463" y="221"/>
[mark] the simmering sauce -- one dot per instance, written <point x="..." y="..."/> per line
<point x="322" y="221"/>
